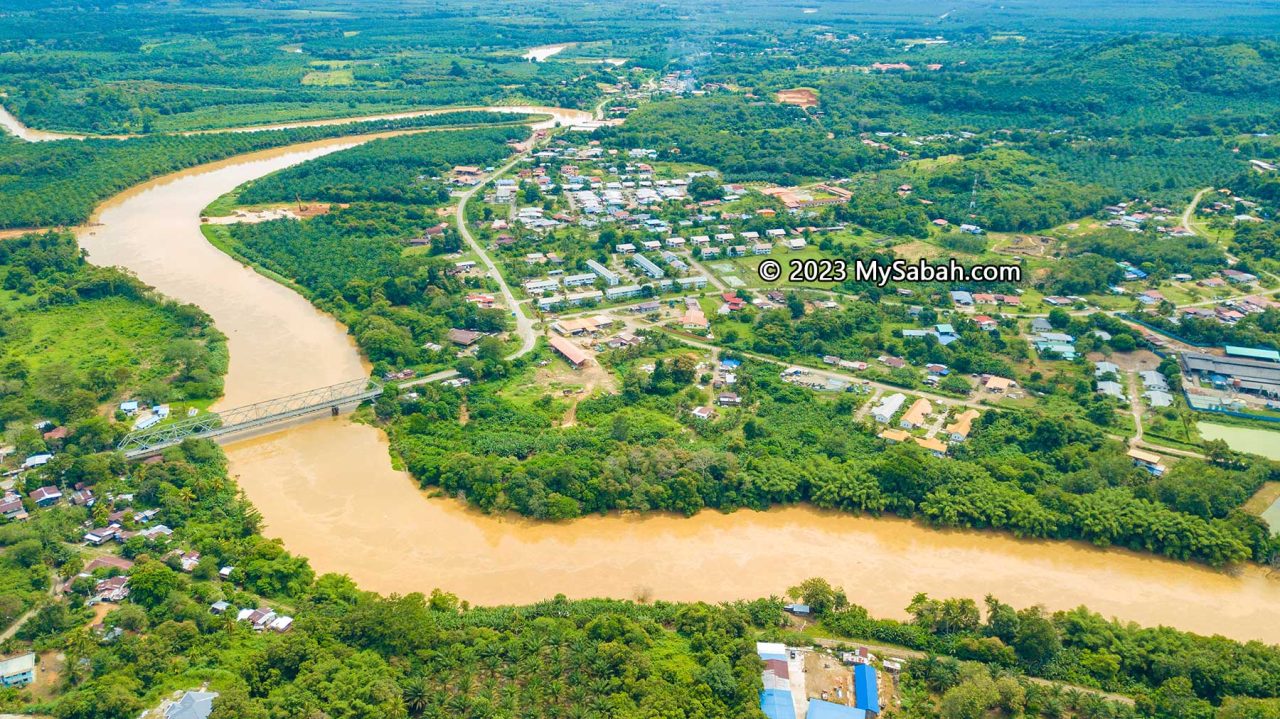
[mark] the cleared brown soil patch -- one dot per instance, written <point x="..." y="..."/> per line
<point x="573" y="386"/>
<point x="1029" y="246"/>
<point x="801" y="96"/>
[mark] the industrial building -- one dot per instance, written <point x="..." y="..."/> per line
<point x="1240" y="374"/>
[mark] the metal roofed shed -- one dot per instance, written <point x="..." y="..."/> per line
<point x="569" y="350"/>
<point x="866" y="692"/>
<point x="1252" y="353"/>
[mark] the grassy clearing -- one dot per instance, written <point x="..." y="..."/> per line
<point x="103" y="335"/>
<point x="329" y="78"/>
<point x="223" y="206"/>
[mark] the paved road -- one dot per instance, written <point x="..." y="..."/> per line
<point x="524" y="324"/>
<point x="1191" y="208"/>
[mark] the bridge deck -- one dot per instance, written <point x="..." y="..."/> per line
<point x="145" y="442"/>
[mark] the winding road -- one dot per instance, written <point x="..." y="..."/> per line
<point x="524" y="324"/>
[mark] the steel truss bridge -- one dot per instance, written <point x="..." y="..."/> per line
<point x="144" y="442"/>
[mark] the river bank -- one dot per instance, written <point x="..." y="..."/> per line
<point x="555" y="115"/>
<point x="329" y="491"/>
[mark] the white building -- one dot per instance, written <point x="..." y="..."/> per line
<point x="888" y="407"/>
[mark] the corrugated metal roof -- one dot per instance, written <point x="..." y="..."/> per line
<point x="866" y="693"/>
<point x="776" y="704"/>
<point x="819" y="709"/>
<point x="1252" y="353"/>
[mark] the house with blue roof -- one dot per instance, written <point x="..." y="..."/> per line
<point x="946" y="333"/>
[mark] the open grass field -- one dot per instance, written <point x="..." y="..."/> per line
<point x="329" y="78"/>
<point x="105" y="337"/>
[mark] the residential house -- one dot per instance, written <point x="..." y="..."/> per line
<point x="936" y="446"/>
<point x="1147" y="460"/>
<point x="192" y="705"/>
<point x="623" y="292"/>
<point x="1104" y="368"/>
<point x="579" y="280"/>
<point x="1111" y="389"/>
<point x="959" y="430"/>
<point x="891" y="361"/>
<point x="998" y="385"/>
<point x="18" y="671"/>
<point x="1153" y="379"/>
<point x="916" y="414"/>
<point x="46" y="496"/>
<point x="609" y="276"/>
<point x="113" y="589"/>
<point x="647" y="266"/>
<point x="98" y="537"/>
<point x="11" y="508"/>
<point x="895" y="436"/>
<point x="464" y="338"/>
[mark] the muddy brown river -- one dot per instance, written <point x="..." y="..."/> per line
<point x="328" y="489"/>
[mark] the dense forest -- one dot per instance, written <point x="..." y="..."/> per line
<point x="406" y="169"/>
<point x="59" y="183"/>
<point x="1013" y="192"/>
<point x="746" y="141"/>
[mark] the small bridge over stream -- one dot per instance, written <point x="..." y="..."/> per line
<point x="145" y="442"/>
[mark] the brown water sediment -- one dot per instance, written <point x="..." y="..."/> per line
<point x="328" y="489"/>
